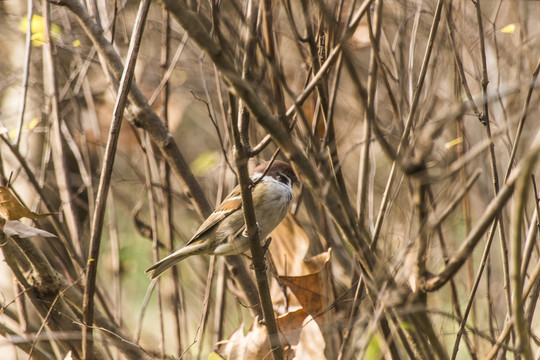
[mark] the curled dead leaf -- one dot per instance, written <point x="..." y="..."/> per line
<point x="313" y="288"/>
<point x="296" y="330"/>
<point x="308" y="279"/>
<point x="251" y="346"/>
<point x="12" y="209"/>
<point x="289" y="246"/>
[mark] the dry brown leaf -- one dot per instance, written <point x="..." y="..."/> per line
<point x="313" y="288"/>
<point x="311" y="344"/>
<point x="290" y="327"/>
<point x="251" y="346"/>
<point x="289" y="246"/>
<point x="287" y="250"/>
<point x="12" y="209"/>
<point x="292" y="333"/>
<point x="360" y="38"/>
<point x="308" y="279"/>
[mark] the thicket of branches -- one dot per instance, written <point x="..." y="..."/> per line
<point x="413" y="127"/>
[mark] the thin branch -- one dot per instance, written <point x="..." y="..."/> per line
<point x="464" y="251"/>
<point x="59" y="153"/>
<point x="484" y="119"/>
<point x="27" y="57"/>
<point x="205" y="314"/>
<point x="105" y="179"/>
<point x="177" y="299"/>
<point x="145" y="116"/>
<point x="522" y="119"/>
<point x="363" y="171"/>
<point x="257" y="251"/>
<point x="410" y="119"/>
<point x="518" y="309"/>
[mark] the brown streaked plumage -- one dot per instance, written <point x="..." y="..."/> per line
<point x="221" y="232"/>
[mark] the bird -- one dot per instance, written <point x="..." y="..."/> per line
<point x="224" y="231"/>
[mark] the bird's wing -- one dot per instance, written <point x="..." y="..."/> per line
<point x="232" y="203"/>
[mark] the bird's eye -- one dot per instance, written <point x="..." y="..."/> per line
<point x="282" y="178"/>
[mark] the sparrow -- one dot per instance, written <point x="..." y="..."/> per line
<point x="223" y="232"/>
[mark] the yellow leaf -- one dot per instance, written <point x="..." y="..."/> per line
<point x="373" y="350"/>
<point x="38" y="29"/>
<point x="406" y="326"/>
<point x="204" y="163"/>
<point x="27" y="126"/>
<point x="12" y="209"/>
<point x="214" y="356"/>
<point x="38" y="39"/>
<point x="33" y="123"/>
<point x="76" y="43"/>
<point x="509" y="29"/>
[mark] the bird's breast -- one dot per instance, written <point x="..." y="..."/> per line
<point x="271" y="203"/>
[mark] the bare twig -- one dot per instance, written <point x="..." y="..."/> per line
<point x="104" y="182"/>
<point x="257" y="251"/>
<point x="205" y="314"/>
<point x="518" y="310"/>
<point x="58" y="148"/>
<point x="457" y="260"/>
<point x="410" y="118"/>
<point x="27" y="57"/>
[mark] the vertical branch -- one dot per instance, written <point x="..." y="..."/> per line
<point x="177" y="307"/>
<point x="270" y="48"/>
<point x="491" y="233"/>
<point x="105" y="179"/>
<point x="57" y="143"/>
<point x="460" y="151"/>
<point x="248" y="63"/>
<point x="235" y="265"/>
<point x="522" y="119"/>
<point x="484" y="119"/>
<point x="220" y="306"/>
<point x="420" y="203"/>
<point x="115" y="259"/>
<point x="27" y="57"/>
<point x="410" y="120"/>
<point x="241" y="161"/>
<point x="206" y="306"/>
<point x="518" y="309"/>
<point x="363" y="171"/>
<point x="318" y="57"/>
<point x="148" y="156"/>
<point x="472" y="294"/>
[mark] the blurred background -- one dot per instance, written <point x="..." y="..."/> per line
<point x="467" y="111"/>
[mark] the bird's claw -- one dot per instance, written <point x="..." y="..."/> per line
<point x="252" y="266"/>
<point x="245" y="232"/>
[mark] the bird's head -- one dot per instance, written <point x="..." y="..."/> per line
<point x="279" y="170"/>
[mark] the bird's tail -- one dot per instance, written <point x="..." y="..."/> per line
<point x="162" y="265"/>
